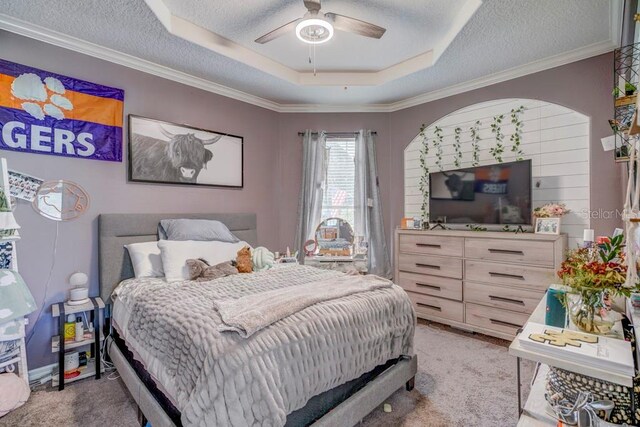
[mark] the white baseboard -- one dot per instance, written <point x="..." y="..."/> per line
<point x="41" y="372"/>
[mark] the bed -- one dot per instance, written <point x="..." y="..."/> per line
<point x="347" y="390"/>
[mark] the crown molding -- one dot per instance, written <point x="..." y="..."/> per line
<point x="615" y="29"/>
<point x="55" y="38"/>
<point x="214" y="42"/>
<point x="510" y="74"/>
<point x="491" y="79"/>
<point x="27" y="29"/>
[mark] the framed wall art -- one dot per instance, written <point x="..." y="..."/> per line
<point x="169" y="153"/>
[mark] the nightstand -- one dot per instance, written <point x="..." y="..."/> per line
<point x="346" y="264"/>
<point x="58" y="345"/>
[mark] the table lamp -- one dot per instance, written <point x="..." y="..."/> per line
<point x="79" y="294"/>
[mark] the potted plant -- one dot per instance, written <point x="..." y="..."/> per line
<point x="629" y="89"/>
<point x="595" y="276"/>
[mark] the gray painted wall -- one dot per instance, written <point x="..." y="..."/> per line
<point x="272" y="160"/>
<point x="106" y="182"/>
<point x="584" y="86"/>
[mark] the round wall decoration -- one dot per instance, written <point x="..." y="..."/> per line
<point x="61" y="200"/>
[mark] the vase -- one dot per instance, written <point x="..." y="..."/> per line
<point x="589" y="313"/>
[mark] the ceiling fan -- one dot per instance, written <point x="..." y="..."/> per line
<point x="315" y="27"/>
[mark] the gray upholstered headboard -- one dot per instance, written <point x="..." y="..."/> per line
<point x="117" y="230"/>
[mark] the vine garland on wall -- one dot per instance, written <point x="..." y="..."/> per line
<point x="516" y="137"/>
<point x="497" y="151"/>
<point x="457" y="148"/>
<point x="475" y="143"/>
<point x="437" y="143"/>
<point x="424" y="179"/>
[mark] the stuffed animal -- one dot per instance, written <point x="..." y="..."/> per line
<point x="201" y="271"/>
<point x="263" y="259"/>
<point x="243" y="260"/>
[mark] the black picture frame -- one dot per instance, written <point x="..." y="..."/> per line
<point x="170" y="174"/>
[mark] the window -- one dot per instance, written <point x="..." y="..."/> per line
<point x="339" y="198"/>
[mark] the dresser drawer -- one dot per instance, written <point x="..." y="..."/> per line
<point x="431" y="245"/>
<point x="432" y="265"/>
<point x="429" y="306"/>
<point x="517" y="275"/>
<point x="520" y="251"/>
<point x="510" y="298"/>
<point x="504" y="321"/>
<point x="431" y="285"/>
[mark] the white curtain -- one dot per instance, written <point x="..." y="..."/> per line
<point x="314" y="167"/>
<point x="368" y="207"/>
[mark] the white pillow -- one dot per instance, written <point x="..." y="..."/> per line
<point x="175" y="254"/>
<point x="146" y="260"/>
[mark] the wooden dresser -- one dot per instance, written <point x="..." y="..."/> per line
<point x="488" y="282"/>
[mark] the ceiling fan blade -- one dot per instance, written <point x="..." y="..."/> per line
<point x="312" y="5"/>
<point x="352" y="25"/>
<point x="291" y="26"/>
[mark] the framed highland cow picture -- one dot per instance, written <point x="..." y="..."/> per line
<point x="169" y="153"/>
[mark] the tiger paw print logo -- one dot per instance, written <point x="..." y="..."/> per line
<point x="41" y="99"/>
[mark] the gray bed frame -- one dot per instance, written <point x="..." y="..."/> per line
<point x="117" y="230"/>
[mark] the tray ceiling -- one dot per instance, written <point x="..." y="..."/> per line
<point x="432" y="48"/>
<point x="416" y="28"/>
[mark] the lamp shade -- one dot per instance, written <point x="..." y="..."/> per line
<point x="16" y="300"/>
<point x="78" y="279"/>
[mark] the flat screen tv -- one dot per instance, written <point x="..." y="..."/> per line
<point x="498" y="194"/>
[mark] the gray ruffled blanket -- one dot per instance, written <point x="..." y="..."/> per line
<point x="310" y="336"/>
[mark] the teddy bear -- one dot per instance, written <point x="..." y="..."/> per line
<point x="201" y="271"/>
<point x="244" y="263"/>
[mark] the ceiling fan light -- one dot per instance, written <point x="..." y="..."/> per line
<point x="314" y="31"/>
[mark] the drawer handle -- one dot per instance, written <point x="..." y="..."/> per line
<point x="433" y="307"/>
<point x="434" y="267"/>
<point x="506" y="251"/>
<point x="424" y="285"/>
<point x="503" y="323"/>
<point x="428" y="245"/>
<point x="503" y="299"/>
<point x="506" y="276"/>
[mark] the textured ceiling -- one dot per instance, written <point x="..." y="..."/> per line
<point x="412" y="29"/>
<point x="501" y="35"/>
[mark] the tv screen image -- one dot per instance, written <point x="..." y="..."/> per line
<point x="497" y="194"/>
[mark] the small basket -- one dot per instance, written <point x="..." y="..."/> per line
<point x="569" y="384"/>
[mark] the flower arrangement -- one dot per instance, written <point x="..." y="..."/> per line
<point x="595" y="275"/>
<point x="601" y="269"/>
<point x="551" y="210"/>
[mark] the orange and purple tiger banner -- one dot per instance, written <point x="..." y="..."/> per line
<point x="47" y="113"/>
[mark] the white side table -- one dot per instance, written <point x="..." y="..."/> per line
<point x="20" y="356"/>
<point x="533" y="413"/>
<point x="345" y="264"/>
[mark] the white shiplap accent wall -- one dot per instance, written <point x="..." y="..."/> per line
<point x="555" y="138"/>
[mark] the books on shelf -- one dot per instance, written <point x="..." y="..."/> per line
<point x="593" y="351"/>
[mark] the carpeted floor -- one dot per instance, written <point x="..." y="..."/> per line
<point x="463" y="380"/>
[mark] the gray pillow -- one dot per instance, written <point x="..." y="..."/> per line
<point x="195" y="229"/>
